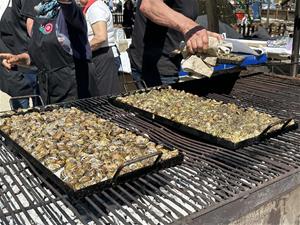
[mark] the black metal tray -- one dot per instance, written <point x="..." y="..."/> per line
<point x="118" y="178"/>
<point x="286" y="126"/>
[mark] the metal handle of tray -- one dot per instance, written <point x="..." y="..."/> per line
<point x="134" y="82"/>
<point x="284" y="123"/>
<point x="25" y="97"/>
<point x="3" y="140"/>
<point x="130" y="162"/>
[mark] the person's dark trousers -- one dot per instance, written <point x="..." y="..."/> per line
<point x="82" y="78"/>
<point x="30" y="77"/>
<point x="128" y="31"/>
<point x="165" y="79"/>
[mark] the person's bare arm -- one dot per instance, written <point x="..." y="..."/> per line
<point x="100" y="34"/>
<point x="9" y="60"/>
<point x="160" y="13"/>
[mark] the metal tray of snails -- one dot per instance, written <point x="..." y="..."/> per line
<point x="223" y="124"/>
<point x="80" y="152"/>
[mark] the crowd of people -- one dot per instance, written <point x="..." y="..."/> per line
<point x="63" y="51"/>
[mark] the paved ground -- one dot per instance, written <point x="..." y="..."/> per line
<point x="4" y="105"/>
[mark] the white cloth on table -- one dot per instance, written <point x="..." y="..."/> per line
<point x="202" y="64"/>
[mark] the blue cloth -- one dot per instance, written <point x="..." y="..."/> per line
<point x="72" y="31"/>
<point x="256" y="10"/>
<point x="47" y="9"/>
<point x="118" y="62"/>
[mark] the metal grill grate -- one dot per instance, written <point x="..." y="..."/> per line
<point x="209" y="177"/>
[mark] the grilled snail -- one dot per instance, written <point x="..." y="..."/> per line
<point x="86" y="149"/>
<point x="227" y="121"/>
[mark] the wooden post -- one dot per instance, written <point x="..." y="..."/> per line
<point x="296" y="41"/>
<point x="268" y="13"/>
<point x="212" y="16"/>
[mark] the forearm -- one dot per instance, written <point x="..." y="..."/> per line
<point x="96" y="42"/>
<point x="29" y="25"/>
<point x="100" y="35"/>
<point x="158" y="12"/>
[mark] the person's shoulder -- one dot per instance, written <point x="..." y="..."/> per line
<point x="98" y="11"/>
<point x="100" y="4"/>
<point x="97" y="7"/>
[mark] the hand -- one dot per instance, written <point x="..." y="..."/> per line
<point x="10" y="60"/>
<point x="5" y="60"/>
<point x="198" y="41"/>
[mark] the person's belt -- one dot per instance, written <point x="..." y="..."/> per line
<point x="100" y="51"/>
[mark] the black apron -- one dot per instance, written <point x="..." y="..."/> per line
<point x="104" y="78"/>
<point x="13" y="82"/>
<point x="57" y="74"/>
<point x="13" y="29"/>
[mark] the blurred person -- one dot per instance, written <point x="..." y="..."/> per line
<point x="245" y="20"/>
<point x="101" y="38"/>
<point x="13" y="34"/>
<point x="111" y="5"/>
<point x="159" y="28"/>
<point x="119" y="7"/>
<point x="59" y="48"/>
<point x="128" y="18"/>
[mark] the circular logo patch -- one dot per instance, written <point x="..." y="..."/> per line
<point x="48" y="28"/>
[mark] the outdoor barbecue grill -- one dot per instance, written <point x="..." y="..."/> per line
<point x="214" y="185"/>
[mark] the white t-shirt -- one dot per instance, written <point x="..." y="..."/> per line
<point x="99" y="11"/>
<point x="3" y="5"/>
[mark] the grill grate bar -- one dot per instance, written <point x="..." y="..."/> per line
<point x="193" y="179"/>
<point x="140" y="215"/>
<point x="134" y="200"/>
<point x="14" y="197"/>
<point x="34" y="189"/>
<point x="208" y="176"/>
<point x="36" y="193"/>
<point x="35" y="197"/>
<point x="111" y="208"/>
<point x="228" y="187"/>
<point x="96" y="208"/>
<point x="236" y="175"/>
<point x="130" y="219"/>
<point x="153" y="191"/>
<point x="184" y="182"/>
<point x="145" y="199"/>
<point x="171" y="191"/>
<point x="270" y="154"/>
<point x="175" y="189"/>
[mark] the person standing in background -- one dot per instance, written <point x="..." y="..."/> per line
<point x="105" y="79"/>
<point x="111" y="5"/>
<point x="119" y="7"/>
<point x="159" y="28"/>
<point x="13" y="33"/>
<point x="60" y="50"/>
<point x="128" y="18"/>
